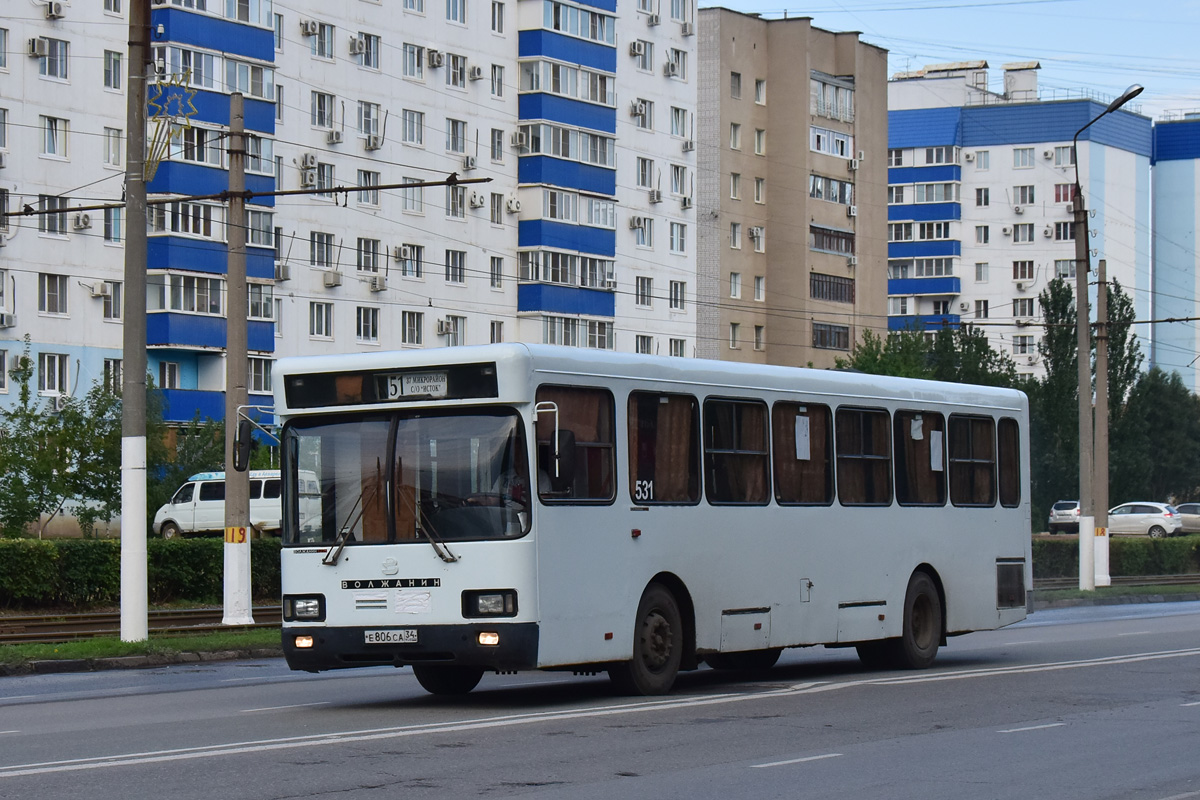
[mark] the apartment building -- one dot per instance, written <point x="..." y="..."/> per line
<point x="980" y="191"/>
<point x="457" y="173"/>
<point x="793" y="139"/>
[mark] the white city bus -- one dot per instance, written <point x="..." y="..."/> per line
<point x="509" y="507"/>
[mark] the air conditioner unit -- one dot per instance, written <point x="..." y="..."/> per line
<point x="333" y="278"/>
<point x="637" y="109"/>
<point x="656" y="195"/>
<point x="685" y="203"/>
<point x="519" y="139"/>
<point x="968" y="156"/>
<point x="60" y="402"/>
<point x="401" y="252"/>
<point x="1070" y="208"/>
<point x="851" y="261"/>
<point x="964" y="306"/>
<point x="637" y="48"/>
<point x="756" y="232"/>
<point x="1006" y="230"/>
<point x="1022" y="287"/>
<point x="444" y="327"/>
<point x="8" y="320"/>
<point x="358" y="45"/>
<point x="1018" y="210"/>
<point x="671" y="69"/>
<point x="636" y="222"/>
<point x="378" y="283"/>
<point x="653" y="19"/>
<point x="39" y="47"/>
<point x="333" y="137"/>
<point x="374" y="141"/>
<point x="1031" y="359"/>
<point x="478" y="200"/>
<point x="852" y="165"/>
<point x="851" y="211"/>
<point x="1048" y="232"/>
<point x="862" y="156"/>
<point x="308" y="178"/>
<point x="513" y="205"/>
<point x="468" y="162"/>
<point x="82" y="221"/>
<point x="308" y="161"/>
<point x="1047" y="154"/>
<point x="101" y="289"/>
<point x="309" y="27"/>
<point x="435" y="58"/>
<point x="475" y="73"/>
<point x="689" y="145"/>
<point x="54" y="10"/>
<point x="283" y="272"/>
<point x="689" y="28"/>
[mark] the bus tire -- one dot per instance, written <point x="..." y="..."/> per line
<point x="657" y="646"/>
<point x="875" y="655"/>
<point x="922" y="633"/>
<point x="169" y="530"/>
<point x="748" y="661"/>
<point x="447" y="679"/>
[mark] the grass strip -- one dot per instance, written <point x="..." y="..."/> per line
<point x="158" y="644"/>
<point x="1113" y="591"/>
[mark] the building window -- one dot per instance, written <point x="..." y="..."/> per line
<point x="410" y="263"/>
<point x="497" y="331"/>
<point x="735" y="235"/>
<point x="456" y="136"/>
<point x="1064" y="268"/>
<point x="496" y="272"/>
<point x="936" y="192"/>
<point x="54" y="136"/>
<point x="320" y="249"/>
<point x="367" y="324"/>
<point x="1023" y="345"/>
<point x="983" y="160"/>
<point x="1022" y="270"/>
<point x="645" y="173"/>
<point x="52" y="373"/>
<point x="112" y="225"/>
<point x="735" y="85"/>
<point x="830" y="240"/>
<point x="760" y="190"/>
<point x="456" y="266"/>
<point x="261" y="300"/>
<point x="260" y="375"/>
<point x="983" y="197"/>
<point x="830" y="337"/>
<point x="1023" y="195"/>
<point x="895" y="158"/>
<point x="735" y="136"/>
<point x="497" y="80"/>
<point x="929" y="231"/>
<point x="367" y="194"/>
<point x="981" y="272"/>
<point x="644" y="60"/>
<point x="760" y="337"/>
<point x="831" y="288"/>
<point x="322" y="110"/>
<point x="678" y="237"/>
<point x="895" y="195"/>
<point x="1023" y="233"/>
<point x="52" y="294"/>
<point x="643" y="344"/>
<point x="981" y="309"/>
<point x="412" y="197"/>
<point x="678" y="295"/>
<point x="735" y="186"/>
<point x="643" y="235"/>
<point x="412" y="127"/>
<point x="370" y="50"/>
<point x="112" y="70"/>
<point x="415" y="5"/>
<point x="368" y="117"/>
<point x="982" y="233"/>
<point x="644" y="293"/>
<point x="933" y="267"/>
<point x="412" y="327"/>
<point x="834" y="143"/>
<point x="456" y="71"/>
<point x="414" y="62"/>
<point x="1064" y="192"/>
<point x="1064" y="156"/>
<point x="1023" y="307"/>
<point x="734" y="331"/>
<point x="320" y="320"/>
<point x="1064" y="231"/>
<point x="456" y="202"/>
<point x="898" y="306"/>
<point x="497" y="17"/>
<point x="496" y="215"/>
<point x="456" y="331"/>
<point x="1023" y="158"/>
<point x="760" y="288"/>
<point x="54" y="63"/>
<point x="677" y="347"/>
<point x="112" y="374"/>
<point x="941" y="155"/>
<point x="321" y="45"/>
<point x="760" y="91"/>
<point x="456" y="11"/>
<point x="168" y="375"/>
<point x="368" y="255"/>
<point x="760" y="142"/>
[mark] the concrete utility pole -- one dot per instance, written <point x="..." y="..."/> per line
<point x="237" y="484"/>
<point x="134" y="594"/>
<point x="1100" y="466"/>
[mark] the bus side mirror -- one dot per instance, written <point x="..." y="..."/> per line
<point x="565" y="477"/>
<point x="241" y="445"/>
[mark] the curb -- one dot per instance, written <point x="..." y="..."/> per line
<point x="56" y="666"/>
<point x="1120" y="600"/>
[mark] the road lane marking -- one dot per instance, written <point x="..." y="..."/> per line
<point x="1034" y="728"/>
<point x="4" y="732"/>
<point x="1184" y="796"/>
<point x="1025" y="641"/>
<point x="585" y="712"/>
<point x="281" y="708"/>
<point x="1189" y="705"/>
<point x="1135" y="633"/>
<point x="796" y="761"/>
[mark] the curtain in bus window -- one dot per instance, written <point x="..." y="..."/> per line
<point x="735" y="452"/>
<point x="1009" y="440"/>
<point x="587" y="414"/>
<point x="664" y="432"/>
<point x="920" y="474"/>
<point x="863" y="457"/>
<point x="972" y="461"/>
<point x="803" y="454"/>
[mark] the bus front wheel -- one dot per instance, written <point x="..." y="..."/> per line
<point x="918" y="643"/>
<point x="447" y="679"/>
<point x="657" y="646"/>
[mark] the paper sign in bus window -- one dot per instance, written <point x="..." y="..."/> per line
<point x="935" y="451"/>
<point x="803" y="440"/>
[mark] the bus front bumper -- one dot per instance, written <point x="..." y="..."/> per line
<point x="342" y="648"/>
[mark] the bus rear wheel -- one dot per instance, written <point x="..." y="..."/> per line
<point x="447" y="679"/>
<point x="657" y="646"/>
<point x="749" y="661"/>
<point x="922" y="635"/>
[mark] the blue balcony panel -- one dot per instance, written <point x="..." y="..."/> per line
<point x="176" y="329"/>
<point x="935" y="173"/>
<point x="553" y="299"/>
<point x="581" y="238"/>
<point x="948" y="247"/>
<point x="215" y="33"/>
<point x="214" y="107"/>
<point x="181" y="177"/>
<point x="925" y="212"/>
<point x="576" y="113"/>
<point x="567" y="48"/>
<point x="182" y="405"/>
<point x="203" y="255"/>
<point x="924" y="322"/>
<point x="924" y="286"/>
<point x="567" y="174"/>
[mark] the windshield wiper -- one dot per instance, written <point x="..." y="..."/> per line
<point x="439" y="547"/>
<point x="347" y="527"/>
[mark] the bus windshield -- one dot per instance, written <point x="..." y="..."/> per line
<point x="424" y="476"/>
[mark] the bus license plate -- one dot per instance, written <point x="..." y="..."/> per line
<point x="401" y="636"/>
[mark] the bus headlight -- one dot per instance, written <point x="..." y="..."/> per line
<point x="304" y="642"/>
<point x="489" y="639"/>
<point x="310" y="608"/>
<point x="489" y="603"/>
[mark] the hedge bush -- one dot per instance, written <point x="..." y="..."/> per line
<point x="85" y="572"/>
<point x="1059" y="557"/>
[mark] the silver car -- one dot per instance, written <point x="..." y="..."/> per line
<point x="1155" y="520"/>
<point x="1064" y="517"/>
<point x="1190" y="514"/>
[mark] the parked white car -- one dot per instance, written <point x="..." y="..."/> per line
<point x="1155" y="520"/>
<point x="198" y="506"/>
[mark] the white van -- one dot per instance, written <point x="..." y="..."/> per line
<point x="198" y="507"/>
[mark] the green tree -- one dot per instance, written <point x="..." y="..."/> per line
<point x="1053" y="403"/>
<point x="1154" y="451"/>
<point x="198" y="446"/>
<point x="92" y="427"/>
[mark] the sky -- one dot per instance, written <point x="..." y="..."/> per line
<point x="1101" y="46"/>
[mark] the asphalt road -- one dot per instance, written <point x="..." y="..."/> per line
<point x="1074" y="703"/>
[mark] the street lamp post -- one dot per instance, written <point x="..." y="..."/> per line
<point x="1091" y="469"/>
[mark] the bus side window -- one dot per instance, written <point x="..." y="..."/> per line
<point x="736" y="456"/>
<point x="920" y="461"/>
<point x="588" y="414"/>
<point x="212" y="490"/>
<point x="664" y="449"/>
<point x="1009" y="441"/>
<point x="972" y="461"/>
<point x="803" y="454"/>
<point x="863" y="457"/>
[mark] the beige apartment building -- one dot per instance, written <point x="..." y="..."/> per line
<point x="791" y="190"/>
